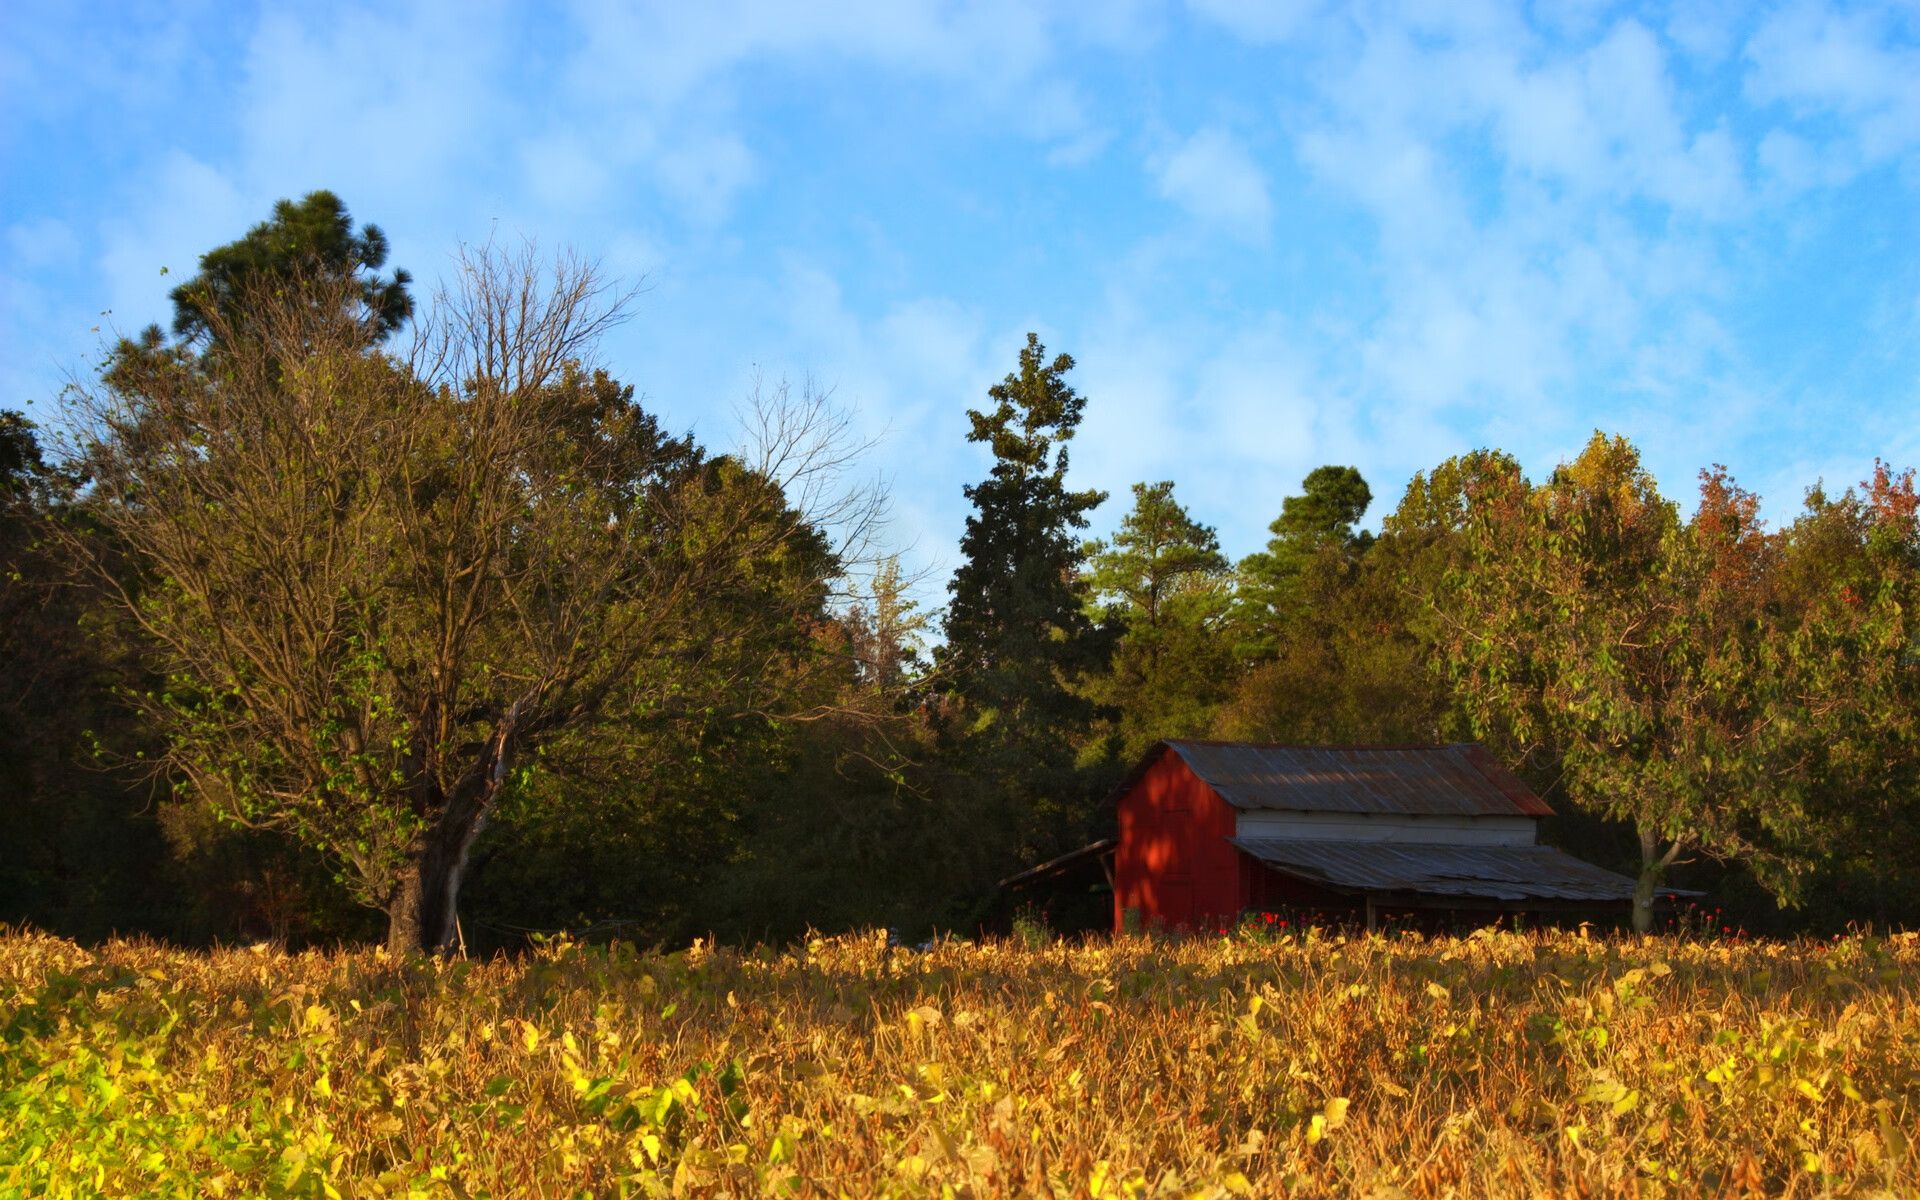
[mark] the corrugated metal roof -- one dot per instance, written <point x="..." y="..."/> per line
<point x="1497" y="872"/>
<point x="1456" y="780"/>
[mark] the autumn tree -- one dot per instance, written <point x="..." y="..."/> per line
<point x="1846" y="643"/>
<point x="1163" y="585"/>
<point x="886" y="630"/>
<point x="386" y="591"/>
<point x="1588" y="625"/>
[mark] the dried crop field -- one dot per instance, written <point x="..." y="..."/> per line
<point x="1313" y="1064"/>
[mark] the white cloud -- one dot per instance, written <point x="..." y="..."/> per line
<point x="1216" y="181"/>
<point x="1846" y="65"/>
<point x="1260" y="20"/>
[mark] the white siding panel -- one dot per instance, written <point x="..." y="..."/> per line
<point x="1387" y="827"/>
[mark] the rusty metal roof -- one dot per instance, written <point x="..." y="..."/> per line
<point x="1496" y="872"/>
<point x="1453" y="780"/>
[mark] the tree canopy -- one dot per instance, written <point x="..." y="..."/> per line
<point x="303" y="242"/>
<point x="383" y="589"/>
<point x="1320" y="520"/>
<point x="1164" y="587"/>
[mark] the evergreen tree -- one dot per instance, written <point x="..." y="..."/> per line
<point x="1319" y="521"/>
<point x="1164" y="584"/>
<point x="1018" y="634"/>
<point x="303" y="242"/>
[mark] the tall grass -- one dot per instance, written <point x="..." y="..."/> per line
<point x="1493" y="1065"/>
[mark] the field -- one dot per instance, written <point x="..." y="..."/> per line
<point x="1313" y="1064"/>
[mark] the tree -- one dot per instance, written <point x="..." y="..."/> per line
<point x="1586" y="624"/>
<point x="1846" y="643"/>
<point x="1318" y="521"/>
<point x="1018" y="637"/>
<point x="884" y="631"/>
<point x="1163" y="584"/>
<point x="310" y="240"/>
<point x="84" y="855"/>
<point x="387" y="593"/>
<point x="1352" y="665"/>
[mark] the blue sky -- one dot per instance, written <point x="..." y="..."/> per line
<point x="1274" y="235"/>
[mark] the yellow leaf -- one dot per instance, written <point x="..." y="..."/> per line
<point x="1336" y="1112"/>
<point x="1316" y="1129"/>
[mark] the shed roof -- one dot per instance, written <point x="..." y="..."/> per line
<point x="1450" y="780"/>
<point x="1495" y="872"/>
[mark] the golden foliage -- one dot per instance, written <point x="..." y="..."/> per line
<point x="1493" y="1065"/>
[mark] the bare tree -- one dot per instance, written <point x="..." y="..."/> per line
<point x="381" y="585"/>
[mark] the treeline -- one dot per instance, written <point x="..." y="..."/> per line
<point x="338" y="615"/>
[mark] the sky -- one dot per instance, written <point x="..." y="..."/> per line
<point x="1272" y="235"/>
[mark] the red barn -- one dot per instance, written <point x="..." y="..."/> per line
<point x="1210" y="830"/>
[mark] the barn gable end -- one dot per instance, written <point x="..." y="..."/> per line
<point x="1175" y="866"/>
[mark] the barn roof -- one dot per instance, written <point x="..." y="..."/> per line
<point x="1450" y="870"/>
<point x="1495" y="872"/>
<point x="1449" y="780"/>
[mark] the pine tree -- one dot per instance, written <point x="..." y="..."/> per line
<point x="1164" y="582"/>
<point x="305" y="241"/>
<point x="1018" y="636"/>
<point x="1320" y="520"/>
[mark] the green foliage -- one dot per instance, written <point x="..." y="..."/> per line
<point x="1163" y="589"/>
<point x="1319" y="521"/>
<point x="313" y="238"/>
<point x="83" y="851"/>
<point x="1351" y="666"/>
<point x="1660" y="668"/>
<point x="1018" y="637"/>
<point x="379" y="590"/>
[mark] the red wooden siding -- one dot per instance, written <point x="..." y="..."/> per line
<point x="1174" y="863"/>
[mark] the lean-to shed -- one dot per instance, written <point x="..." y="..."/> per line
<point x="1210" y="830"/>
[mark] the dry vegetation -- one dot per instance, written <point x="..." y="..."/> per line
<point x="1499" y="1064"/>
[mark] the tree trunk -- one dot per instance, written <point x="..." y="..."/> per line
<point x="420" y="917"/>
<point x="426" y="900"/>
<point x="1653" y="870"/>
<point x="403" y="914"/>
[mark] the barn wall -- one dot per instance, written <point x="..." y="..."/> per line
<point x="1174" y="863"/>
<point x="1388" y="827"/>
